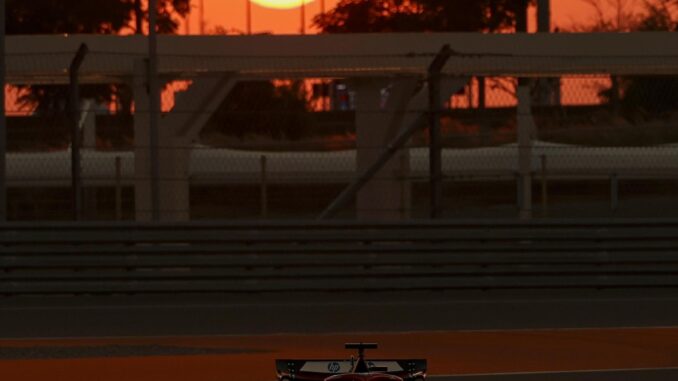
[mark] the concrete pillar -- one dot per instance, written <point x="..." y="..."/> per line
<point x="527" y="130"/>
<point x="381" y="110"/>
<point x="178" y="130"/>
<point x="174" y="160"/>
<point x="174" y="157"/>
<point x="142" y="169"/>
<point x="194" y="107"/>
<point x="88" y="125"/>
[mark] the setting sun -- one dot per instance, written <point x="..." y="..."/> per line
<point x="281" y="4"/>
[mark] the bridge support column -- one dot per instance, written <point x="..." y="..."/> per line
<point x="142" y="162"/>
<point x="173" y="156"/>
<point x="381" y="106"/>
<point x="527" y="130"/>
<point x="178" y="130"/>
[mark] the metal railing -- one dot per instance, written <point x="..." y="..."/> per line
<point x="295" y="257"/>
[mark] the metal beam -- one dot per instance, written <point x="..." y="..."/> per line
<point x="43" y="59"/>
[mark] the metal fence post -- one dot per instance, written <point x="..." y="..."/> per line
<point x="544" y="187"/>
<point x="525" y="141"/>
<point x="154" y="107"/>
<point x="74" y="101"/>
<point x="435" y="149"/>
<point x="118" y="188"/>
<point x="352" y="189"/>
<point x="519" y="191"/>
<point x="264" y="187"/>
<point x="614" y="192"/>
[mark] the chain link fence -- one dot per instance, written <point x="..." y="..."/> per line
<point x="603" y="146"/>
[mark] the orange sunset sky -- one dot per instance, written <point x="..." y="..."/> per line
<point x="230" y="14"/>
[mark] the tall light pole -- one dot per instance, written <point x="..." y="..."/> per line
<point x="154" y="108"/>
<point x="248" y="16"/>
<point x="544" y="16"/>
<point x="202" y="17"/>
<point x="3" y="120"/>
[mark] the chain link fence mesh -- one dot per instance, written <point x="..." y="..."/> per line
<point x="605" y="146"/>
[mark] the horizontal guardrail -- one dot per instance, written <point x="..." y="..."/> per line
<point x="291" y="257"/>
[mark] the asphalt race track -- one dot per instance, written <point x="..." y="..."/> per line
<point x="589" y="354"/>
<point x="571" y="335"/>
<point x="600" y="375"/>
<point x="332" y="313"/>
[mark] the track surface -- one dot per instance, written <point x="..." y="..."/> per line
<point x="599" y="375"/>
<point x="250" y="358"/>
<point x="197" y="315"/>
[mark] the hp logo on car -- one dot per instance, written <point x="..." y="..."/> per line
<point x="333" y="367"/>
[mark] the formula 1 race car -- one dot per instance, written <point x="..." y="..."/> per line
<point x="352" y="369"/>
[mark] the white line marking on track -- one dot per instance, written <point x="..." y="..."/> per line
<point x="437" y="376"/>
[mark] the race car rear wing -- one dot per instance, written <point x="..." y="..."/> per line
<point x="320" y="369"/>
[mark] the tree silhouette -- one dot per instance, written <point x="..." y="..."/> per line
<point x="365" y="16"/>
<point x="78" y="16"/>
<point x="642" y="97"/>
<point x="83" y="17"/>
<point x="263" y="108"/>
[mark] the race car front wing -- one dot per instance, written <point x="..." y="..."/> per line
<point x="318" y="370"/>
